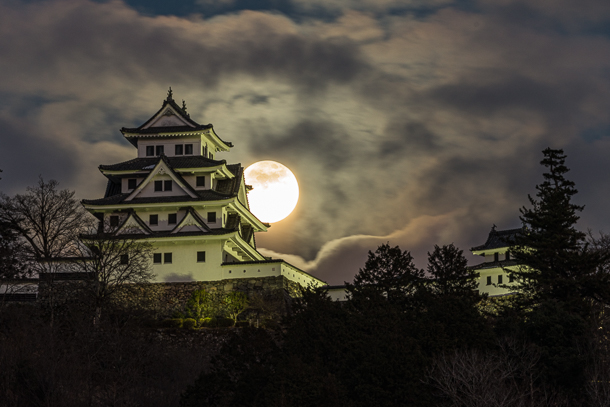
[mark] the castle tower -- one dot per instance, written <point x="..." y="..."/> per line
<point x="494" y="271"/>
<point x="190" y="206"/>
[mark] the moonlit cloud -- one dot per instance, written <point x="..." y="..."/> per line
<point x="412" y="123"/>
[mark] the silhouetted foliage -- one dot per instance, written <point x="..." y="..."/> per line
<point x="555" y="261"/>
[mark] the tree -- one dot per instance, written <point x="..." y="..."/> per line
<point x="49" y="220"/>
<point x="388" y="273"/>
<point x="200" y="305"/>
<point x="449" y="273"/>
<point x="113" y="264"/>
<point x="235" y="303"/>
<point x="556" y="263"/>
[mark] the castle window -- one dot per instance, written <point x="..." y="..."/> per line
<point x="132" y="183"/>
<point x="153" y="220"/>
<point x="171" y="219"/>
<point x="124" y="259"/>
<point x="188" y="149"/>
<point x="511" y="278"/>
<point x="507" y="256"/>
<point x="211" y="217"/>
<point x="496" y="256"/>
<point x="500" y="279"/>
<point x="150" y="151"/>
<point x="158" y="186"/>
<point x="488" y="280"/>
<point x="157" y="258"/>
<point x="200" y="257"/>
<point x="159" y="150"/>
<point x="200" y="181"/>
<point x="167" y="258"/>
<point x="167" y="185"/>
<point x="114" y="220"/>
<point x="179" y="149"/>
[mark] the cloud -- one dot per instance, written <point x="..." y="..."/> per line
<point x="403" y="126"/>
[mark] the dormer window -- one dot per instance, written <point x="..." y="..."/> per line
<point x="179" y="149"/>
<point x="161" y="186"/>
<point x="188" y="149"/>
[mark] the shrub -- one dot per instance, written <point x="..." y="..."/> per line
<point x="189" y="323"/>
<point x="207" y="322"/>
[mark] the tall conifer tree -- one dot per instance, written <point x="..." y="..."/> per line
<point x="556" y="263"/>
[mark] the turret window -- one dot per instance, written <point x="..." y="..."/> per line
<point x="161" y="186"/>
<point x="157" y="258"/>
<point x="188" y="149"/>
<point x="167" y="258"/>
<point x="488" y="280"/>
<point x="132" y="183"/>
<point x="179" y="149"/>
<point x="114" y="220"/>
<point x="496" y="256"/>
<point x="153" y="220"/>
<point x="211" y="217"/>
<point x="200" y="257"/>
<point x="150" y="151"/>
<point x="159" y="150"/>
<point x="201" y="181"/>
<point x="171" y="219"/>
<point x="500" y="279"/>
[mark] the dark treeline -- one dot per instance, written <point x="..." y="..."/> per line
<point x="405" y="336"/>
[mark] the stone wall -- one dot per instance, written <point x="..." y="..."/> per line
<point x="269" y="297"/>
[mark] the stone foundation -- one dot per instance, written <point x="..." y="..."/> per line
<point x="269" y="297"/>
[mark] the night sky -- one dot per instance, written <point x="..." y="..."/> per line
<point x="410" y="122"/>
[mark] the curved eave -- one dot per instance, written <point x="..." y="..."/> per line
<point x="245" y="213"/>
<point x="219" y="144"/>
<point x="157" y="205"/>
<point x="237" y="240"/>
<point x="482" y="252"/>
<point x="221" y="170"/>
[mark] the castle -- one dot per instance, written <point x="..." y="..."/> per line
<point x="191" y="206"/>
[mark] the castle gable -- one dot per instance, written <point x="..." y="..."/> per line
<point x="162" y="181"/>
<point x="133" y="225"/>
<point x="191" y="222"/>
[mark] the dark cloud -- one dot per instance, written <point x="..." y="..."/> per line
<point x="406" y="129"/>
<point x="23" y="159"/>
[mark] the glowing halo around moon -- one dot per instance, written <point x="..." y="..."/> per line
<point x="275" y="190"/>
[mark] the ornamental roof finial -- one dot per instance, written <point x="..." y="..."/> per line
<point x="184" y="108"/>
<point x="170" y="94"/>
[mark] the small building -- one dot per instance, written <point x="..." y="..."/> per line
<point x="189" y="204"/>
<point x="493" y="272"/>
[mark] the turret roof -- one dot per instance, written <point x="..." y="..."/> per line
<point x="142" y="164"/>
<point x="191" y="125"/>
<point x="498" y="239"/>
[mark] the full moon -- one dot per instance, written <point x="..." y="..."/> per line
<point x="275" y="190"/>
